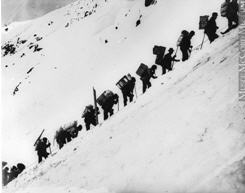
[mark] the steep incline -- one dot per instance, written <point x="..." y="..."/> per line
<point x="59" y="57"/>
<point x="186" y="134"/>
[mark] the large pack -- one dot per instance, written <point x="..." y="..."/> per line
<point x="142" y="69"/>
<point x="104" y="97"/>
<point x="88" y="109"/>
<point x="159" y="60"/>
<point x="203" y="21"/>
<point x="223" y="9"/>
<point x="70" y="126"/>
<point x="149" y="2"/>
<point x="124" y="81"/>
<point x="158" y="50"/>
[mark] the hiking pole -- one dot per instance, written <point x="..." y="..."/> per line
<point x="50" y="148"/>
<point x="135" y="91"/>
<point x="95" y="107"/>
<point x="203" y="39"/>
<point x="177" y="49"/>
<point x="118" y="106"/>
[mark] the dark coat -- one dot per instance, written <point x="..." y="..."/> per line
<point x="211" y="26"/>
<point x="41" y="147"/>
<point x="108" y="105"/>
<point x="129" y="87"/>
<point x="185" y="42"/>
<point x="168" y="59"/>
<point x="232" y="10"/>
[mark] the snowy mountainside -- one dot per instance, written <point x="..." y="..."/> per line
<point x="186" y="134"/>
<point x="59" y="57"/>
<point x="180" y="136"/>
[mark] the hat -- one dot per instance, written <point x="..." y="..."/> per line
<point x="171" y="50"/>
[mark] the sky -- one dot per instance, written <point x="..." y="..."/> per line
<point x="21" y="10"/>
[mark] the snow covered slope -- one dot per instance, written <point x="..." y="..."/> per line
<point x="50" y="87"/>
<point x="186" y="134"/>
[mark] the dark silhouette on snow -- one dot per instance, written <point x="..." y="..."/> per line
<point x="8" y="176"/>
<point x="89" y="116"/>
<point x="107" y="100"/>
<point x="146" y="74"/>
<point x="65" y="135"/>
<point x="211" y="28"/>
<point x="127" y="85"/>
<point x="185" y="44"/>
<point x="149" y="2"/>
<point x="230" y="11"/>
<point x="13" y="173"/>
<point x="5" y="176"/>
<point x="61" y="137"/>
<point x="159" y="51"/>
<point x="41" y="148"/>
<point x="167" y="61"/>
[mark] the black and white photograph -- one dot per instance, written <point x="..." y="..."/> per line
<point x="122" y="96"/>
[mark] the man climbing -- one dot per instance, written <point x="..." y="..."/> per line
<point x="147" y="75"/>
<point x="5" y="176"/>
<point x="89" y="116"/>
<point x="61" y="137"/>
<point x="230" y="11"/>
<point x="128" y="91"/>
<point x="41" y="148"/>
<point x="110" y="100"/>
<point x="168" y="61"/>
<point x="185" y="44"/>
<point x="211" y="28"/>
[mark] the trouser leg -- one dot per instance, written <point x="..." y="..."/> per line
<point x="125" y="99"/>
<point x="39" y="158"/>
<point x="144" y="86"/>
<point x="131" y="97"/>
<point x="148" y="84"/>
<point x="87" y="126"/>
<point x="111" y="112"/>
<point x="105" y="115"/>
<point x="163" y="70"/>
<point x="184" y="54"/>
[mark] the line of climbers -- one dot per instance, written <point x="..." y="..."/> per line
<point x="229" y="9"/>
<point x="8" y="176"/>
<point x="127" y="83"/>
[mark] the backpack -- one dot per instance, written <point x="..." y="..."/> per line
<point x="104" y="97"/>
<point x="142" y="69"/>
<point x="203" y="21"/>
<point x="223" y="9"/>
<point x="159" y="60"/>
<point x="149" y="2"/>
<point x="158" y="50"/>
<point x="88" y="109"/>
<point x="124" y="81"/>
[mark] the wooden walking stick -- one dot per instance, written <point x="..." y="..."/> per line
<point x="95" y="106"/>
<point x="203" y="40"/>
<point x="135" y="90"/>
